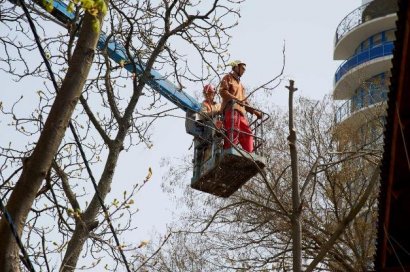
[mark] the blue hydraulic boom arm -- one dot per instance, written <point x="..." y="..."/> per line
<point x="117" y="52"/>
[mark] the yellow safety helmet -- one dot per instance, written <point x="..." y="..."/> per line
<point x="236" y="63"/>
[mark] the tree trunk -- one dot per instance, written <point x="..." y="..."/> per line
<point x="80" y="235"/>
<point x="76" y="243"/>
<point x="37" y="165"/>
<point x="296" y="226"/>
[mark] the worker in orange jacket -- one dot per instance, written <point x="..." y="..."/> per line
<point x="234" y="108"/>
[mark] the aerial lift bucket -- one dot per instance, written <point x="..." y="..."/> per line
<point x="219" y="171"/>
<point x="225" y="173"/>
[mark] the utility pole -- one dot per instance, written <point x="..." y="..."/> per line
<point x="296" y="207"/>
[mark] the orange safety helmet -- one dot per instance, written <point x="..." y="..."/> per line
<point x="209" y="89"/>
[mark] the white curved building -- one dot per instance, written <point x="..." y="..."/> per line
<point x="364" y="40"/>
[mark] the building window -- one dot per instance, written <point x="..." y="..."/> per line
<point x="390" y="36"/>
<point x="372" y="91"/>
<point x="377" y="39"/>
<point x="365" y="44"/>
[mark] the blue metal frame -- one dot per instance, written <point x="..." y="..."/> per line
<point x="384" y="49"/>
<point x="117" y="52"/>
<point x="371" y="42"/>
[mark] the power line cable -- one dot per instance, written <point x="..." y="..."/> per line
<point x="13" y="229"/>
<point x="77" y="140"/>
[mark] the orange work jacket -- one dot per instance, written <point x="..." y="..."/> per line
<point x="232" y="88"/>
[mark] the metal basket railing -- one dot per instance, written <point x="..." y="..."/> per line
<point x="256" y="125"/>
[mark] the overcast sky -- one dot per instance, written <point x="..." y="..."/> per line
<point x="307" y="27"/>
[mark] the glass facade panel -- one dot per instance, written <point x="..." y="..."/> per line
<point x="377" y="39"/>
<point x="372" y="91"/>
<point x="366" y="44"/>
<point x="390" y="36"/>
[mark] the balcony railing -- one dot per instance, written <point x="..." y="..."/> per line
<point x="355" y="104"/>
<point x="352" y="20"/>
<point x="362" y="14"/>
<point x="378" y="51"/>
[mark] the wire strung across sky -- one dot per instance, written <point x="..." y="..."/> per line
<point x="13" y="229"/>
<point x="79" y="145"/>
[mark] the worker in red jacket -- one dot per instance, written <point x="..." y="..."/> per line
<point x="234" y="108"/>
<point x="209" y="106"/>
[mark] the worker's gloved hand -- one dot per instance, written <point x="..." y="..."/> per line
<point x="258" y="114"/>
